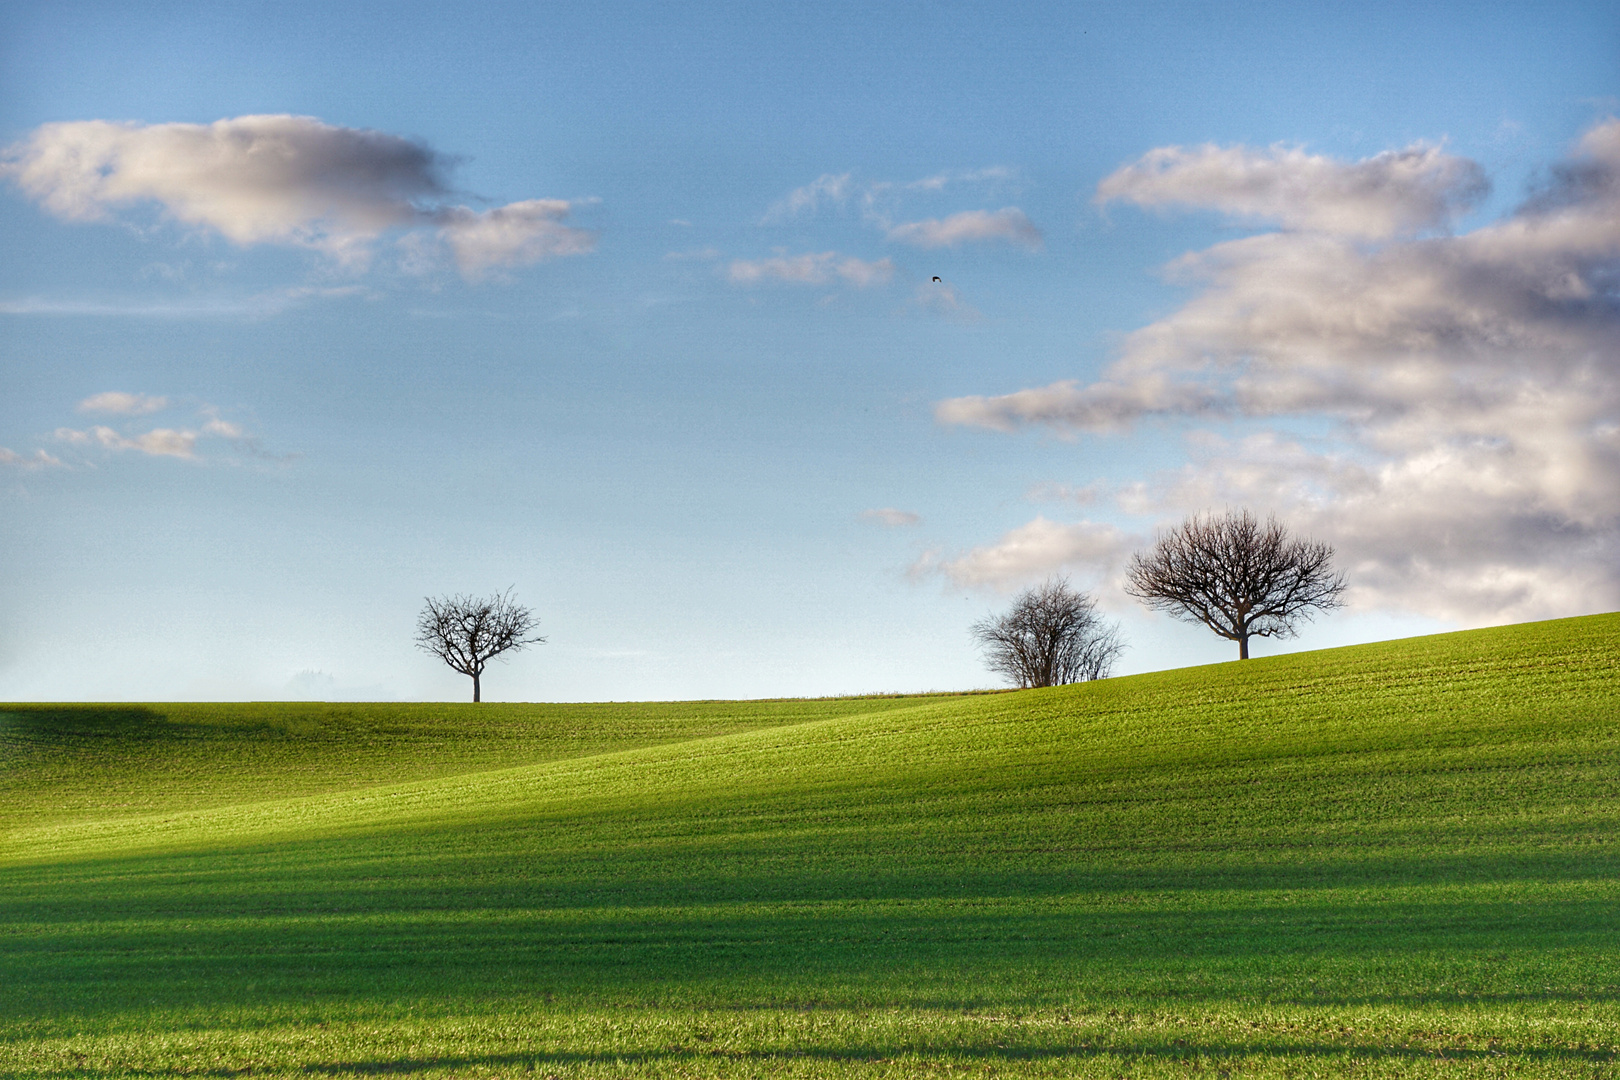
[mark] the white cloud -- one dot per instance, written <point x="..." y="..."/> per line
<point x="1397" y="192"/>
<point x="943" y="299"/>
<point x="1067" y="406"/>
<point x="517" y="234"/>
<point x="890" y="518"/>
<point x="39" y="459"/>
<point x="1470" y="383"/>
<point x="970" y="226"/>
<point x="993" y="176"/>
<point x="238" y="435"/>
<point x="1031" y="552"/>
<point x="259" y="305"/>
<point x="829" y="188"/>
<point x="1472" y="531"/>
<point x="879" y="201"/>
<point x="1083" y="495"/>
<point x="862" y="274"/>
<point x="811" y="269"/>
<point x="286" y="179"/>
<point x="123" y="404"/>
<point x="279" y="179"/>
<point x="160" y="442"/>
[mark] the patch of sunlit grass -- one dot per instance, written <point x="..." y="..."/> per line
<point x="1395" y="859"/>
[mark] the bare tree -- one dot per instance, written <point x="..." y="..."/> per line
<point x="467" y="632"/>
<point x="1237" y="577"/>
<point x="1052" y="635"/>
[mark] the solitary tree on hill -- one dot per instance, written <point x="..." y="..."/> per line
<point x="1238" y="577"/>
<point x="467" y="632"/>
<point x="1051" y="636"/>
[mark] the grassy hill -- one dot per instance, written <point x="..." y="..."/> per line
<point x="1393" y="859"/>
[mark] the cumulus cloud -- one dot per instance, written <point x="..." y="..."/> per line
<point x="970" y="226"/>
<point x="1474" y="531"/>
<point x="880" y="202"/>
<point x="811" y="269"/>
<point x="518" y="234"/>
<point x="224" y="428"/>
<point x="290" y="179"/>
<point x="123" y="404"/>
<point x="1067" y="406"/>
<point x="160" y="442"/>
<point x="1397" y="192"/>
<point x="891" y="518"/>
<point x="157" y="442"/>
<point x="1471" y="384"/>
<point x="278" y="179"/>
<point x="943" y="299"/>
<point x="992" y="176"/>
<point x="1031" y="552"/>
<point x="39" y="459"/>
<point x="862" y="274"/>
<point x="828" y="188"/>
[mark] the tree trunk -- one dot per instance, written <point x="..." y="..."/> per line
<point x="475" y="685"/>
<point x="1243" y="647"/>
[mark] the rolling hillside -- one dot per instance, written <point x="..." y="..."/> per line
<point x="1393" y="859"/>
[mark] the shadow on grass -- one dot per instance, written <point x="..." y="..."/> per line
<point x="36" y="734"/>
<point x="56" y="725"/>
<point x="85" y="940"/>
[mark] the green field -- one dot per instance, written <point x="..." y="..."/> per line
<point x="1389" y="860"/>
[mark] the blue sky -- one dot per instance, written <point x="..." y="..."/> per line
<point x="631" y="308"/>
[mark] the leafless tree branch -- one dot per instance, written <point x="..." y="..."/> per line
<point x="467" y="632"/>
<point x="1237" y="577"/>
<point x="1051" y="636"/>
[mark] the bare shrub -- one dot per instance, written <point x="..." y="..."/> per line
<point x="1052" y="635"/>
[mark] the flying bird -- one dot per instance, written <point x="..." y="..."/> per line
<point x="936" y="279"/>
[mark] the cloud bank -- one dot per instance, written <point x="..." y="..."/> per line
<point x="1472" y="381"/>
<point x="1399" y="192"/>
<point x="279" y="179"/>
